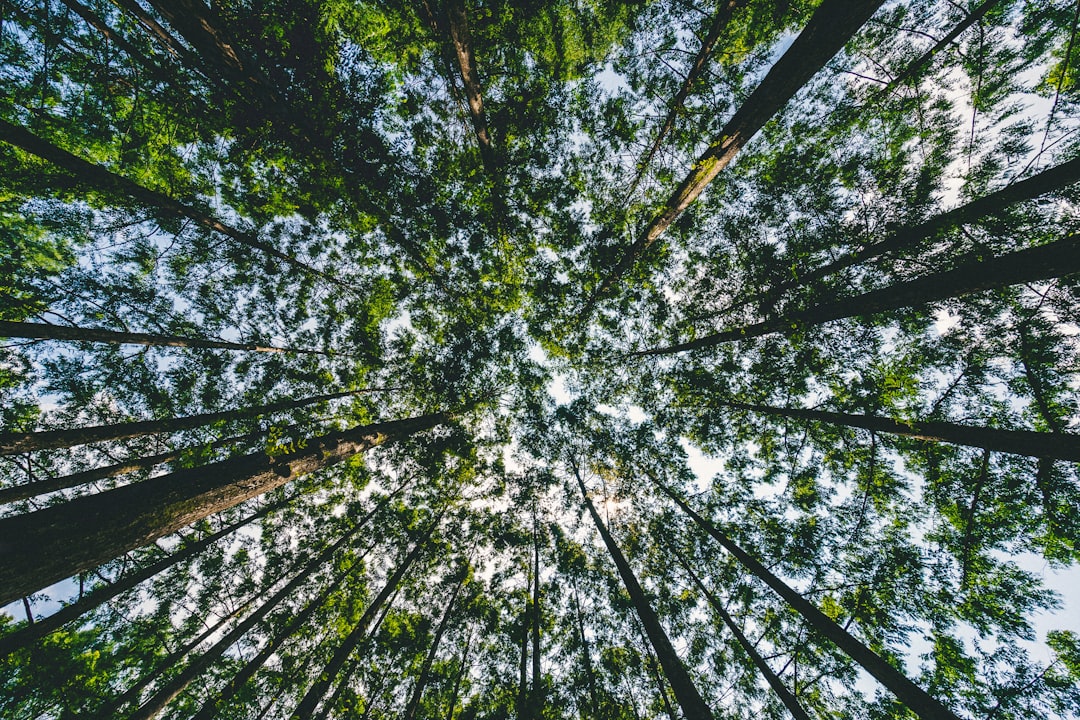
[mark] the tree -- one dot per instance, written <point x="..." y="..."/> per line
<point x="322" y="321"/>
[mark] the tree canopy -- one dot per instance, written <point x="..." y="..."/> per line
<point x="587" y="359"/>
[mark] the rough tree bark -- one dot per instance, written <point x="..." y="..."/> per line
<point x="48" y="545"/>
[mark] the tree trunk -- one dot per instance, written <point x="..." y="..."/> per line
<point x="829" y="29"/>
<point x="925" y="706"/>
<point x="46" y="331"/>
<point x="212" y="707"/>
<point x="536" y="698"/>
<point x="13" y="443"/>
<point x="24" y="636"/>
<point x="590" y="675"/>
<point x="96" y="177"/>
<point x="1058" y="446"/>
<point x="457" y="681"/>
<point x="690" y="700"/>
<point x="458" y="27"/>
<point x="48" y="545"/>
<point x="425" y="669"/>
<point x="1052" y="260"/>
<point x="918" y="65"/>
<point x="1043" y="183"/>
<point x="719" y="22"/>
<point x="311" y="699"/>
<point x="790" y="701"/>
<point x="155" y="704"/>
<point x="63" y="482"/>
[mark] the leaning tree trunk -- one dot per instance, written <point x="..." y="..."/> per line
<point x="790" y="701"/>
<point x="12" y="443"/>
<point x="1052" y="260"/>
<point x="458" y="28"/>
<point x="690" y="700"/>
<point x="917" y="699"/>
<point x="1058" y="446"/>
<point x="99" y="178"/>
<point x="178" y="683"/>
<point x="429" y="658"/>
<point x="48" y="545"/>
<point x="213" y="706"/>
<point x="63" y="482"/>
<point x="315" y="694"/>
<point x="719" y="22"/>
<point x="45" y="331"/>
<point x="24" y="636"/>
<point x="829" y="29"/>
<point x="911" y="238"/>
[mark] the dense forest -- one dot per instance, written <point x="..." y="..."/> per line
<point x="597" y="359"/>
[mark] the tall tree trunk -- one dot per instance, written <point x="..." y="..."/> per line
<point x="315" y="694"/>
<point x="925" y="59"/>
<point x="460" y="676"/>
<point x="719" y="22"/>
<point x="48" y="545"/>
<point x="132" y="694"/>
<point x="99" y="596"/>
<point x="96" y="177"/>
<point x="590" y="675"/>
<point x="790" y="701"/>
<point x="921" y="703"/>
<point x="536" y="693"/>
<point x="690" y="700"/>
<point x="425" y="669"/>
<point x="523" y="660"/>
<point x="829" y="29"/>
<point x="46" y="331"/>
<point x="1052" y="260"/>
<point x="12" y="443"/>
<point x="63" y="482"/>
<point x="910" y="238"/>
<point x="458" y="28"/>
<point x="213" y="706"/>
<point x="155" y="704"/>
<point x="1059" y="446"/>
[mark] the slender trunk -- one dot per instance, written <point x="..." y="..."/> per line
<point x="425" y="669"/>
<point x="12" y="443"/>
<point x="1052" y="260"/>
<point x="536" y="695"/>
<point x="155" y="704"/>
<point x="63" y="482"/>
<point x="57" y="542"/>
<point x="910" y="238"/>
<point x="99" y="178"/>
<point x="28" y="610"/>
<point x="654" y="670"/>
<point x="719" y="22"/>
<point x="458" y="27"/>
<point x="925" y="706"/>
<point x="460" y="676"/>
<point x="790" y="701"/>
<point x="829" y="29"/>
<point x="590" y="675"/>
<point x="212" y="707"/>
<point x="201" y="28"/>
<point x="1036" y="385"/>
<point x="315" y="694"/>
<point x="46" y="331"/>
<point x="132" y="693"/>
<point x="99" y="596"/>
<point x="1059" y="446"/>
<point x="523" y="664"/>
<point x="690" y="700"/>
<point x="923" y="60"/>
<point x="969" y="530"/>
